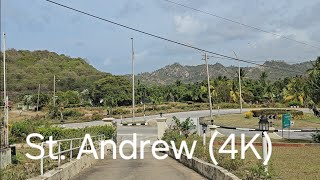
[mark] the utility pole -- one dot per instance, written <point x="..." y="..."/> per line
<point x="209" y="91"/>
<point x="239" y="74"/>
<point x="5" y="97"/>
<point x="38" y="98"/>
<point x="133" y="101"/>
<point x="54" y="90"/>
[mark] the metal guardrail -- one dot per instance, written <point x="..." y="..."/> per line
<point x="71" y="148"/>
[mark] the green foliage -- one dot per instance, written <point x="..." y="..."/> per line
<point x="172" y="135"/>
<point x="72" y="113"/>
<point x="294" y="103"/>
<point x="20" y="130"/>
<point x="184" y="126"/>
<point x="97" y="116"/>
<point x="257" y="172"/>
<point x="68" y="98"/>
<point x="28" y="69"/>
<point x="316" y="137"/>
<point x="313" y="86"/>
<point x="113" y="90"/>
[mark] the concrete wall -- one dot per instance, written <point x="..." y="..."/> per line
<point x="207" y="170"/>
<point x="5" y="157"/>
<point x="69" y="170"/>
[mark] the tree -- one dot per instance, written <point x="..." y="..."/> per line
<point x="115" y="90"/>
<point x="313" y="86"/>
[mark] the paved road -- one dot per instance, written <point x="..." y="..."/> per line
<point x="146" y="169"/>
<point x="180" y="115"/>
<point x="183" y="115"/>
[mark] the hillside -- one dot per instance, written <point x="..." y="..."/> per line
<point x="27" y="69"/>
<point x="187" y="74"/>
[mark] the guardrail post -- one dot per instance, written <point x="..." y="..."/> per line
<point x="41" y="166"/>
<point x="59" y="155"/>
<point x="71" y="150"/>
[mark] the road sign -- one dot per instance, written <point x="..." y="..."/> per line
<point x="292" y="123"/>
<point x="286" y="120"/>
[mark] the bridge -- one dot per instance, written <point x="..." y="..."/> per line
<point x="148" y="168"/>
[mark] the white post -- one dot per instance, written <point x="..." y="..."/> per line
<point x="204" y="138"/>
<point x="41" y="166"/>
<point x="59" y="151"/>
<point x="133" y="100"/>
<point x="71" y="150"/>
<point x="264" y="150"/>
<point x="240" y="94"/>
<point x="208" y="78"/>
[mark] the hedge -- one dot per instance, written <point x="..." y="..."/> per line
<point x="266" y="112"/>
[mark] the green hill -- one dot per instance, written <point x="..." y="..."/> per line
<point x="27" y="69"/>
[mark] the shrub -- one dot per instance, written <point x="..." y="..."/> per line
<point x="20" y="130"/>
<point x="97" y="116"/>
<point x="172" y="135"/>
<point x="316" y="137"/>
<point x="248" y="114"/>
<point x="294" y="103"/>
<point x="72" y="113"/>
<point x="257" y="172"/>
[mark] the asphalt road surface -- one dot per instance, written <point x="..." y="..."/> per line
<point x="127" y="131"/>
<point x="148" y="168"/>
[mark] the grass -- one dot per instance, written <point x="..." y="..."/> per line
<point x="285" y="163"/>
<point x="239" y="120"/>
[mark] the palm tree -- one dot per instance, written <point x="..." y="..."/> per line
<point x="263" y="78"/>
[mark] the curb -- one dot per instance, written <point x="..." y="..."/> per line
<point x="134" y="124"/>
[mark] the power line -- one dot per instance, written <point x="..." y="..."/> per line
<point x="166" y="39"/>
<point x="242" y="24"/>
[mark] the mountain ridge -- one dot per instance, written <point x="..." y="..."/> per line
<point x="192" y="74"/>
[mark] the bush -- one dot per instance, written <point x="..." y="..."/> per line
<point x="172" y="135"/>
<point x="20" y="130"/>
<point x="72" y="113"/>
<point x="316" y="137"/>
<point x="257" y="172"/>
<point x="294" y="103"/>
<point x="97" y="116"/>
<point x="266" y="112"/>
<point x="248" y="114"/>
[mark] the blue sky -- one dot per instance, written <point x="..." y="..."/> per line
<point x="36" y="24"/>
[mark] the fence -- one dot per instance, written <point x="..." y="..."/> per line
<point x="70" y="150"/>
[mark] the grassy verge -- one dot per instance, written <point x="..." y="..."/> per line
<point x="239" y="120"/>
<point x="286" y="162"/>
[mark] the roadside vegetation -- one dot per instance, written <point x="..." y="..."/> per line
<point x="285" y="162"/>
<point x="23" y="167"/>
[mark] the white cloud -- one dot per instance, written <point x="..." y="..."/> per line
<point x="189" y="25"/>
